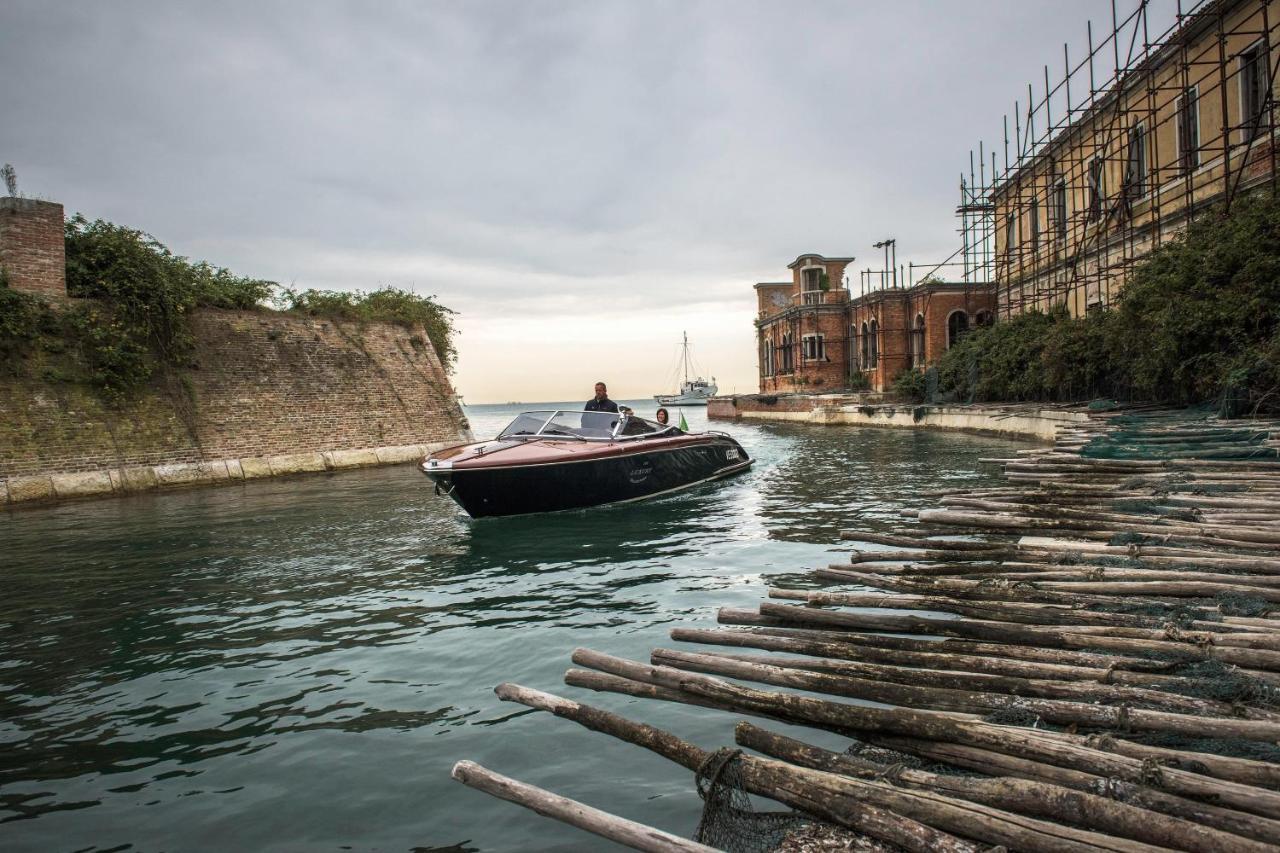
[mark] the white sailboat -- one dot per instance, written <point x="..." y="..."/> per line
<point x="693" y="392"/>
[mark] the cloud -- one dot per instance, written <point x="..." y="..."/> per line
<point x="550" y="169"/>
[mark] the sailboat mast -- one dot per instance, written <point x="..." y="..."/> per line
<point x="686" y="356"/>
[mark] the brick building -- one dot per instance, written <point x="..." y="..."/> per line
<point x="32" y="246"/>
<point x="812" y="336"/>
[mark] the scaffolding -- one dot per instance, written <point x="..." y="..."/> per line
<point x="1155" y="124"/>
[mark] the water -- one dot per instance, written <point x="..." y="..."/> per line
<point x="296" y="664"/>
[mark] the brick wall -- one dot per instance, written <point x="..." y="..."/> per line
<point x="264" y="385"/>
<point x="32" y="246"/>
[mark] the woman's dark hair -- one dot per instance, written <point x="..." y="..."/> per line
<point x="663" y="416"/>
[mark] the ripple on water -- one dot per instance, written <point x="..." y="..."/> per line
<point x="297" y="663"/>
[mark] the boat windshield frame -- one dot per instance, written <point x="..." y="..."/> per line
<point x="551" y="429"/>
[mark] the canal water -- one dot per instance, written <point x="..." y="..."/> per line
<point x="295" y="664"/>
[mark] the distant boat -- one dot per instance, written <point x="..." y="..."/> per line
<point x="693" y="392"/>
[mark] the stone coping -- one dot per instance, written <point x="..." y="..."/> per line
<point x="1021" y="420"/>
<point x="50" y="488"/>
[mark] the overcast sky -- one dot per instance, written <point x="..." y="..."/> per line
<point x="582" y="181"/>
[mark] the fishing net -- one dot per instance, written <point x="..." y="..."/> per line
<point x="1242" y="604"/>
<point x="1230" y="747"/>
<point x="1180" y="614"/>
<point x="1212" y="679"/>
<point x="729" y="822"/>
<point x="891" y="758"/>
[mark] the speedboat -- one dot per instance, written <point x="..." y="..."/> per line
<point x="552" y="460"/>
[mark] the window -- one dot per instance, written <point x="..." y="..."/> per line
<point x="1060" y="209"/>
<point x="766" y="357"/>
<point x="917" y="342"/>
<point x="1010" y="231"/>
<point x="1253" y="92"/>
<point x="982" y="318"/>
<point x="813" y="348"/>
<point x="866" y="347"/>
<point x="957" y="327"/>
<point x="874" y="331"/>
<point x="1034" y="216"/>
<point x="1096" y="190"/>
<point x="1189" y="129"/>
<point x="1135" y="175"/>
<point x="788" y="355"/>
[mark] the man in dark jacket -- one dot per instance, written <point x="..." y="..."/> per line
<point x="601" y="402"/>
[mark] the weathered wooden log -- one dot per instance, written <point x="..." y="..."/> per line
<point x="852" y="719"/>
<point x="1073" y="691"/>
<point x="772" y="779"/>
<point x="1026" y="613"/>
<point x="921" y="556"/>
<point x="1057" y="711"/>
<point x="1089" y="528"/>
<point x="1005" y="632"/>
<point x="992" y="762"/>
<point x="1033" y="798"/>
<point x="1095" y="529"/>
<point x="1017" y="651"/>
<point x="919" y="541"/>
<point x="924" y="655"/>
<point x="628" y="833"/>
<point x="995" y="589"/>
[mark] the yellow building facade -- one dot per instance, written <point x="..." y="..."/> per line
<point x="1187" y="124"/>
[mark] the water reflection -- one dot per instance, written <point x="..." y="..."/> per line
<point x="268" y="665"/>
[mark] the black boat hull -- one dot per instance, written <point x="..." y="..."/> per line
<point x="521" y="489"/>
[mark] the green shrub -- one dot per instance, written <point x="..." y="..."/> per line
<point x="858" y="381"/>
<point x="910" y="384"/>
<point x="22" y="317"/>
<point x="1198" y="319"/>
<point x="388" y="305"/>
<point x="145" y="296"/>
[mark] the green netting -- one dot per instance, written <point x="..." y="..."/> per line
<point x="1211" y="679"/>
<point x="1103" y="405"/>
<point x="1242" y="604"/>
<point x="1180" y="614"/>
<point x="1231" y="747"/>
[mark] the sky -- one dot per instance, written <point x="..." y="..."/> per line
<point x="581" y="181"/>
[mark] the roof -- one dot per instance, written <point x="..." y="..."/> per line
<point x="761" y="284"/>
<point x="797" y="261"/>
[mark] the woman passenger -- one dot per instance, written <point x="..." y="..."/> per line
<point x="663" y="417"/>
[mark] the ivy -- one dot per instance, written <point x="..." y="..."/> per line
<point x="387" y="305"/>
<point x="144" y="295"/>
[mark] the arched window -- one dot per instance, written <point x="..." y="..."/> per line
<point x="957" y="327"/>
<point x="873" y="331"/>
<point x="917" y="342"/>
<point x="866" y="347"/>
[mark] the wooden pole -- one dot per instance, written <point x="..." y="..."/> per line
<point x="628" y="833"/>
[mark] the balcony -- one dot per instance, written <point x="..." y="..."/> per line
<point x="834" y="296"/>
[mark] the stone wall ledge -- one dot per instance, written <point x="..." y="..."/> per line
<point x="43" y="489"/>
<point x="1027" y="420"/>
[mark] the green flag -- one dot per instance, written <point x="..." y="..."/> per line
<point x="684" y="425"/>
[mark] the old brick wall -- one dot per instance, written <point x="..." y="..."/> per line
<point x="264" y="385"/>
<point x="32" y="246"/>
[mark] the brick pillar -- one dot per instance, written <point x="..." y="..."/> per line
<point x="32" y="249"/>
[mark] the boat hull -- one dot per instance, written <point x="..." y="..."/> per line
<point x="521" y="489"/>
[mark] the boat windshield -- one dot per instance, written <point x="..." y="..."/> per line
<point x="560" y="424"/>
